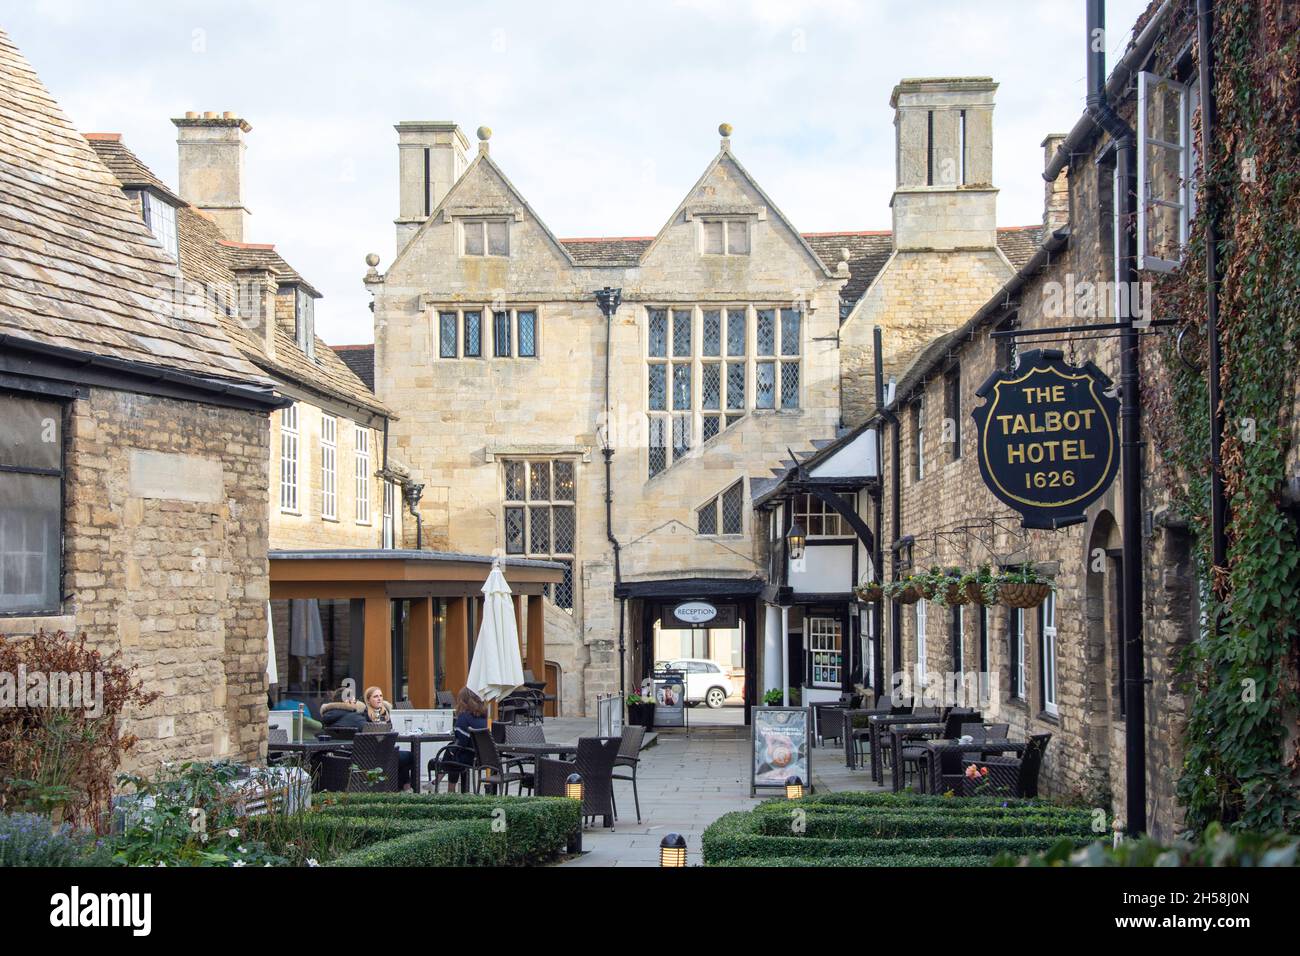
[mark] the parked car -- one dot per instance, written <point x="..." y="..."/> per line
<point x="706" y="682"/>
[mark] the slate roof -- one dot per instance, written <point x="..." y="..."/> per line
<point x="361" y="359"/>
<point x="209" y="260"/>
<point x="867" y="253"/>
<point x="78" y="267"/>
<point x="126" y="166"/>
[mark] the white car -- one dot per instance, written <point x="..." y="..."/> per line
<point x="705" y="681"/>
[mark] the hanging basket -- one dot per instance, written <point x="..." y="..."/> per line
<point x="869" y="593"/>
<point x="909" y="595"/>
<point x="975" y="594"/>
<point x="955" y="594"/>
<point x="1023" y="595"/>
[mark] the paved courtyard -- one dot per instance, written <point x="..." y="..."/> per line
<point x="687" y="779"/>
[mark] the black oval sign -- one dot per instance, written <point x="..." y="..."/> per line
<point x="1048" y="437"/>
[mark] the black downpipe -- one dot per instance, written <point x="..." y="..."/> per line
<point x="1209" y="116"/>
<point x="878" y="559"/>
<point x="896" y="609"/>
<point x="1130" y="427"/>
<point x="610" y="300"/>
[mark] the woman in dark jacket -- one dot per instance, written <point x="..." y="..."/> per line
<point x="471" y="714"/>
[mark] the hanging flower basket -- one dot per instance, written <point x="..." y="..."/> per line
<point x="1017" y="594"/>
<point x="908" y="595"/>
<point x="953" y="594"/>
<point x="869" y="593"/>
<point x="975" y="594"/>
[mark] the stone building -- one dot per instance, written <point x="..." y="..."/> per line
<point x="135" y="446"/>
<point x="736" y="340"/>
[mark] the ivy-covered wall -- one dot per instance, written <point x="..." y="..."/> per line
<point x="1240" y="760"/>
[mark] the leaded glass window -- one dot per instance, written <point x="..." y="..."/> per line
<point x="473" y="334"/>
<point x="681" y="386"/>
<point x="31" y="500"/>
<point x="658" y="397"/>
<point x="539" y="481"/>
<point x="708" y="518"/>
<point x="539" y="529"/>
<point x="526" y="319"/>
<point x="790" y="324"/>
<point x="563" y="472"/>
<point x="712" y="425"/>
<point x="514" y="480"/>
<point x="514" y="530"/>
<point x="681" y="333"/>
<point x="540" y="515"/>
<point x="447" y="334"/>
<point x="711" y="386"/>
<point x="735" y="385"/>
<point x="563" y="532"/>
<point x="469" y="324"/>
<point x="658" y="338"/>
<point x="735" y="332"/>
<point x="765" y="385"/>
<point x="789" y="384"/>
<point x="658" y="446"/>
<point x="765" y="330"/>
<point x="711" y="345"/>
<point x="724" y="513"/>
<point x="681" y="435"/>
<point x="501" y="334"/>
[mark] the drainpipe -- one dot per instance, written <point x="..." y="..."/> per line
<point x="878" y="612"/>
<point x="1209" y="116"/>
<point x="1104" y="115"/>
<point x="896" y="609"/>
<point x="609" y="301"/>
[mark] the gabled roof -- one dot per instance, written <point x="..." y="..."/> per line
<point x="210" y="260"/>
<point x="126" y="166"/>
<point x="608" y="252"/>
<point x="79" y="269"/>
<point x="359" y="358"/>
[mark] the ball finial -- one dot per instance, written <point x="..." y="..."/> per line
<point x="725" y="129"/>
<point x="372" y="259"/>
<point x="484" y="133"/>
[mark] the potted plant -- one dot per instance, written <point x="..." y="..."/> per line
<point x="1023" y="587"/>
<point x="773" y="697"/>
<point x="640" y="711"/>
<point x="981" y="586"/>
<point x="869" y="592"/>
<point x="906" y="590"/>
<point x="944" y="587"/>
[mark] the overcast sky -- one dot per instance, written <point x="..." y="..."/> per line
<point x="604" y="114"/>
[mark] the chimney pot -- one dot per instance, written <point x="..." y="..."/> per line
<point x="210" y="151"/>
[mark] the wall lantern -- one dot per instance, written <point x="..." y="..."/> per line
<point x="672" y="850"/>
<point x="573" y="786"/>
<point x="795" y="537"/>
<point x="793" y="788"/>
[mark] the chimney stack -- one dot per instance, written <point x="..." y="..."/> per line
<point x="1056" y="206"/>
<point x="211" y="152"/>
<point x="944" y="198"/>
<point x="431" y="155"/>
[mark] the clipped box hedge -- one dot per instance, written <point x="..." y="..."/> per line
<point x="886" y="829"/>
<point x="407" y="829"/>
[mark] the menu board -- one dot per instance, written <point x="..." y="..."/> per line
<point x="670" y="698"/>
<point x="781" y="746"/>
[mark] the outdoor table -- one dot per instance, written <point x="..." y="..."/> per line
<point x="889" y="720"/>
<point x="418" y="772"/>
<point x="312" y="751"/>
<point x="909" y="732"/>
<point x="540" y="750"/>
<point x="936" y="748"/>
<point x="851" y="735"/>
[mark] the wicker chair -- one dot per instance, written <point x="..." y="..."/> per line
<point x="375" y="727"/>
<point x="629" y="756"/>
<point x="445" y="699"/>
<point x="493" y="771"/>
<point x="1008" y="776"/>
<point x="369" y="752"/>
<point x="595" y="761"/>
<point x="830" y="722"/>
<point x="441" y="765"/>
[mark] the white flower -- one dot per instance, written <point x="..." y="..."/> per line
<point x="232" y="832"/>
<point x="242" y="849"/>
<point x="311" y="862"/>
<point x="239" y="863"/>
<point x="162" y="862"/>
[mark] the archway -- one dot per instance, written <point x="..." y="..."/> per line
<point x="1103" y="678"/>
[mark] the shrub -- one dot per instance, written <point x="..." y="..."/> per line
<point x="1215" y="848"/>
<point x="61" y="760"/>
<point x="29" y="839"/>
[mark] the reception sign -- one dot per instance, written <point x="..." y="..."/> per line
<point x="781" y="747"/>
<point x="1048" y="437"/>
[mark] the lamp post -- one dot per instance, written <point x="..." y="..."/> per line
<point x="672" y="851"/>
<point x="609" y="300"/>
<point x="794" y="788"/>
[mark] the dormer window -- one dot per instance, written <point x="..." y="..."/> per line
<point x="725" y="237"/>
<point x="160" y="217"/>
<point x="304" y="321"/>
<point x="486" y="237"/>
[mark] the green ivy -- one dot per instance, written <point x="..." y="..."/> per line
<point x="1242" y="677"/>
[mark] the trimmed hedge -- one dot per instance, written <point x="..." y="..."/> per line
<point x="869" y="829"/>
<point x="404" y="829"/>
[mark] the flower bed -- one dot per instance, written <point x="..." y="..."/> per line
<point x="867" y="829"/>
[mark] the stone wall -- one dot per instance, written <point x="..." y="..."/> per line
<point x="165" y="560"/>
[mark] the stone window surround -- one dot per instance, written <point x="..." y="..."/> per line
<point x="469" y="226"/>
<point x="697" y="360"/>
<point x="487" y="331"/>
<point x="528" y="501"/>
<point x="48" y="616"/>
<point x="732" y="228"/>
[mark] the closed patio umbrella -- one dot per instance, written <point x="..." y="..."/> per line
<point x="496" y="669"/>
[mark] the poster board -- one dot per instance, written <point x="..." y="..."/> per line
<point x="780" y="747"/>
<point x="670" y="698"/>
<point x="604" y="717"/>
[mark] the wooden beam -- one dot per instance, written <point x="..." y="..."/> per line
<point x="377" y="660"/>
<point x="419" y="639"/>
<point x="457" y="664"/>
<point x="535" y="658"/>
<point x="518" y="601"/>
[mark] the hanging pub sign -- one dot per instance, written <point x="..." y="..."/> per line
<point x="1048" y="437"/>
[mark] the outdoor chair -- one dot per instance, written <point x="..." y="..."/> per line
<point x="277" y="735"/>
<point x="595" y="762"/>
<point x="445" y="699"/>
<point x="530" y="678"/>
<point x="369" y="752"/>
<point x="629" y="757"/>
<point x="522" y="734"/>
<point x="441" y="764"/>
<point x="494" y="771"/>
<point x="830" y="723"/>
<point x="1008" y="776"/>
<point x="375" y="727"/>
<point x="403" y="705"/>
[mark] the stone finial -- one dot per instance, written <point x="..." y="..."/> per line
<point x="484" y="134"/>
<point x="372" y="260"/>
<point x="724" y="130"/>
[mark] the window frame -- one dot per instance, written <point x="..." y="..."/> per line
<point x="361" y="471"/>
<point x="836" y="651"/>
<point x="918" y="438"/>
<point x="1047" y="656"/>
<point x="527" y="503"/>
<point x="952" y="406"/>
<point x="290" y="437"/>
<point x="715" y="506"/>
<point x="168" y="238"/>
<point x="1148" y="83"/>
<point x="329" y="450"/>
<point x="487" y="327"/>
<point x="922" y="623"/>
<point x="805" y="515"/>
<point x="958" y="633"/>
<point x="1016" y="646"/>
<point x="730" y="225"/>
<point x="479" y="224"/>
<point x="61" y="396"/>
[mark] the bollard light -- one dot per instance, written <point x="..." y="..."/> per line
<point x="793" y="788"/>
<point x="573" y="786"/>
<point x="672" y="850"/>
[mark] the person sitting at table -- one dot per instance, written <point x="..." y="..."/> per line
<point x="471" y="714"/>
<point x="375" y="710"/>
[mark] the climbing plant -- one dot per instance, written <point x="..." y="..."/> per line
<point x="1242" y="674"/>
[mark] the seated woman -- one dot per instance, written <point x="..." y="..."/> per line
<point x="374" y="709"/>
<point x="471" y="714"/>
